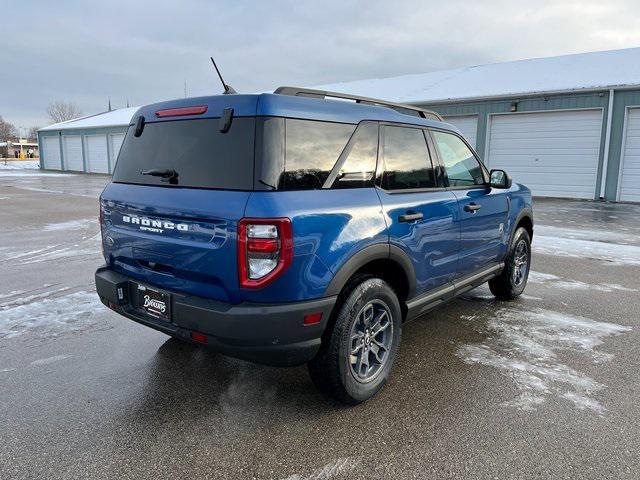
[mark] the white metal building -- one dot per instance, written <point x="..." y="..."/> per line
<point x="89" y="144"/>
<point x="566" y="126"/>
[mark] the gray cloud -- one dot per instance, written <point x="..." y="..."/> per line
<point x="143" y="51"/>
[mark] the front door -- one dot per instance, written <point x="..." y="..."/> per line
<point x="422" y="219"/>
<point x="483" y="210"/>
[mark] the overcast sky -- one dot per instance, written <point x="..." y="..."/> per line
<point x="144" y="50"/>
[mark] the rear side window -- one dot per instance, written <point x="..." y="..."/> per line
<point x="407" y="163"/>
<point x="311" y="150"/>
<point x="462" y="167"/>
<point x="357" y="165"/>
<point x="202" y="156"/>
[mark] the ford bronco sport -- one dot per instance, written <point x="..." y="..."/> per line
<point x="293" y="228"/>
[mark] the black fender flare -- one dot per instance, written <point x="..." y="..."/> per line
<point x="378" y="251"/>
<point x="524" y="213"/>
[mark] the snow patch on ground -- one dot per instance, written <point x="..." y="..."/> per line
<point x="49" y="315"/>
<point x="611" y="236"/>
<point x="341" y="466"/>
<point x="19" y="164"/>
<point x="25" y="299"/>
<point x="12" y="293"/>
<point x="527" y="346"/>
<point x="566" y="284"/>
<point x="49" y="360"/>
<point x="81" y="224"/>
<point x="86" y="246"/>
<point x="616" y="254"/>
<point x="4" y="173"/>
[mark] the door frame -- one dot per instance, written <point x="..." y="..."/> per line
<point x="487" y="141"/>
<point x="622" y="148"/>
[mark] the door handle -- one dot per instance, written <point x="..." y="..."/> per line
<point x="472" y="207"/>
<point x="410" y="217"/>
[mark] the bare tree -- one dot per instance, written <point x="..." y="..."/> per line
<point x="60" y="111"/>
<point x="7" y="132"/>
<point x="32" y="134"/>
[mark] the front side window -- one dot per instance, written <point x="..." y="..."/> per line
<point x="461" y="165"/>
<point x="311" y="150"/>
<point x="407" y="164"/>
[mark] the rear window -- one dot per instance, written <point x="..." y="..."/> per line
<point x="202" y="156"/>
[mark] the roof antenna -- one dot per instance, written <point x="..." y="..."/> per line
<point x="227" y="88"/>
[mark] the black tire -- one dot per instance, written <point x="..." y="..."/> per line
<point x="332" y="370"/>
<point x="511" y="282"/>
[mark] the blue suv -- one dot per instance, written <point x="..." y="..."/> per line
<point x="304" y="227"/>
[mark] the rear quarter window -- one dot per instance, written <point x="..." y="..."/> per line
<point x="196" y="149"/>
<point x="311" y="150"/>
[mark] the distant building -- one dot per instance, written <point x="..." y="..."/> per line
<point x="88" y="144"/>
<point x="14" y="149"/>
<point x="566" y="126"/>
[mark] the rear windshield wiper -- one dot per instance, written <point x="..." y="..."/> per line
<point x="168" y="173"/>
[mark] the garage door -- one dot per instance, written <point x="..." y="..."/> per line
<point x="116" y="142"/>
<point x="468" y="126"/>
<point x="72" y="148"/>
<point x="97" y="154"/>
<point x="630" y="179"/>
<point x="553" y="153"/>
<point x="51" y="146"/>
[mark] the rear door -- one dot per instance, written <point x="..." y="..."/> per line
<point x="483" y="210"/>
<point x="422" y="218"/>
<point x="179" y="232"/>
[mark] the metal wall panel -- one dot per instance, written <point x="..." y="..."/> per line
<point x="532" y="103"/>
<point x="468" y="126"/>
<point x="630" y="163"/>
<point x="116" y="140"/>
<point x="51" y="152"/>
<point x="555" y="154"/>
<point x="97" y="153"/>
<point x="72" y="151"/>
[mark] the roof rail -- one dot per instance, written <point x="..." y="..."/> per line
<point x="308" y="92"/>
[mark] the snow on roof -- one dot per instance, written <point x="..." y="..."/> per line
<point x="114" y="118"/>
<point x="613" y="68"/>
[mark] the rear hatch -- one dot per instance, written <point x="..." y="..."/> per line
<point x="170" y="216"/>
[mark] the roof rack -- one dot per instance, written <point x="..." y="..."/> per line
<point x="308" y="92"/>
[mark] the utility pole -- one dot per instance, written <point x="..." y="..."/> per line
<point x="185" y="88"/>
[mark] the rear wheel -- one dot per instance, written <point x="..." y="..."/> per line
<point x="511" y="282"/>
<point x="357" y="354"/>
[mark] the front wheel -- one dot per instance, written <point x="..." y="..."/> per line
<point x="357" y="354"/>
<point x="511" y="282"/>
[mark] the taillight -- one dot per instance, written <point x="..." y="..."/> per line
<point x="265" y="250"/>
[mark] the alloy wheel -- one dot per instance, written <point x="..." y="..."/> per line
<point x="371" y="338"/>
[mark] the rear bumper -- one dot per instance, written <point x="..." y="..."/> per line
<point x="262" y="333"/>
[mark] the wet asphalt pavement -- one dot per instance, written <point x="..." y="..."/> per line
<point x="543" y="387"/>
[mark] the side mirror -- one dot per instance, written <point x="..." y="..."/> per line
<point x="500" y="179"/>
